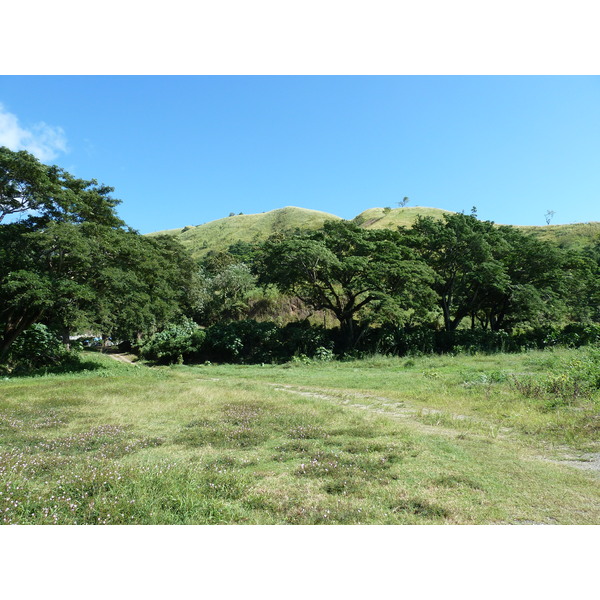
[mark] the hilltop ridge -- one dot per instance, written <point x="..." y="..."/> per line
<point x="222" y="233"/>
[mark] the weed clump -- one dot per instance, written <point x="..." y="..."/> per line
<point x="420" y="508"/>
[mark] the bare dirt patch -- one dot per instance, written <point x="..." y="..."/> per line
<point x="124" y="358"/>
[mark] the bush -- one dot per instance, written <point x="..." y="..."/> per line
<point x="575" y="335"/>
<point x="250" y="341"/>
<point x="242" y="341"/>
<point x="174" y="344"/>
<point x="35" y="348"/>
<point x="303" y="339"/>
<point x="401" y="341"/>
<point x="265" y="342"/>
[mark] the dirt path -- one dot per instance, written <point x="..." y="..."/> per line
<point x="124" y="358"/>
<point x="385" y="406"/>
<point x="396" y="409"/>
<point x="589" y="461"/>
<point x="400" y="410"/>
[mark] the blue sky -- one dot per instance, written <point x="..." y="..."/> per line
<point x="191" y="149"/>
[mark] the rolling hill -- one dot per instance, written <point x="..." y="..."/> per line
<point x="220" y="234"/>
<point x="390" y="218"/>
<point x="573" y="235"/>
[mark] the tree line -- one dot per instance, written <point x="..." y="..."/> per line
<point x="451" y="273"/>
<point x="67" y="261"/>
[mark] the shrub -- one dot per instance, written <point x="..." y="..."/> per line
<point x="303" y="339"/>
<point x="575" y="335"/>
<point x="242" y="341"/>
<point x="323" y="354"/>
<point x="250" y="341"/>
<point x="174" y="344"/>
<point x="36" y="347"/>
<point x="259" y="342"/>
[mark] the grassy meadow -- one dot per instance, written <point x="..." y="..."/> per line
<point x="484" y="439"/>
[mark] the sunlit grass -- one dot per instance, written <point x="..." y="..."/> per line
<point x="220" y="234"/>
<point x="480" y="387"/>
<point x="387" y="441"/>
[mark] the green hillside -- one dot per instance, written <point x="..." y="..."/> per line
<point x="390" y="218"/>
<point x="573" y="235"/>
<point x="220" y="234"/>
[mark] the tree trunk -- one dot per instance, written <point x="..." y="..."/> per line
<point x="447" y="318"/>
<point x="65" y="336"/>
<point x="347" y="331"/>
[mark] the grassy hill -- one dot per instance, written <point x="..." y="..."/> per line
<point x="573" y="235"/>
<point x="220" y="234"/>
<point x="390" y="218"/>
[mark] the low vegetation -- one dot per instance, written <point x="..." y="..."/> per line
<point x="426" y="440"/>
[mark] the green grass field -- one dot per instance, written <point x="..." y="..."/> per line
<point x="426" y="440"/>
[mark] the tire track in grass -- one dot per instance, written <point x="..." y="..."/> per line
<point x="393" y="408"/>
<point x="583" y="461"/>
<point x="589" y="462"/>
<point x="121" y="358"/>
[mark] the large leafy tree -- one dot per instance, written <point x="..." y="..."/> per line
<point x="138" y="283"/>
<point x="541" y="280"/>
<point x="584" y="296"/>
<point x="43" y="247"/>
<point x="346" y="269"/>
<point x="497" y="276"/>
<point x="594" y="287"/>
<point x="223" y="295"/>
<point x="463" y="253"/>
<point x="66" y="258"/>
<point x="48" y="193"/>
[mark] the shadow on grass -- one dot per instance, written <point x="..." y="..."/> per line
<point x="72" y="364"/>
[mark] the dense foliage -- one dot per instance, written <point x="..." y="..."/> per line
<point x="174" y="343"/>
<point x="37" y="347"/>
<point x="443" y="285"/>
<point x="497" y="277"/>
<point x="68" y="261"/>
<point x="249" y="341"/>
<point x="347" y="270"/>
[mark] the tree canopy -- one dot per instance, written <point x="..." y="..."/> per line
<point x="69" y="260"/>
<point x="346" y="269"/>
<point x="497" y="276"/>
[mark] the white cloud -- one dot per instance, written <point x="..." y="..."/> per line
<point x="43" y="141"/>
